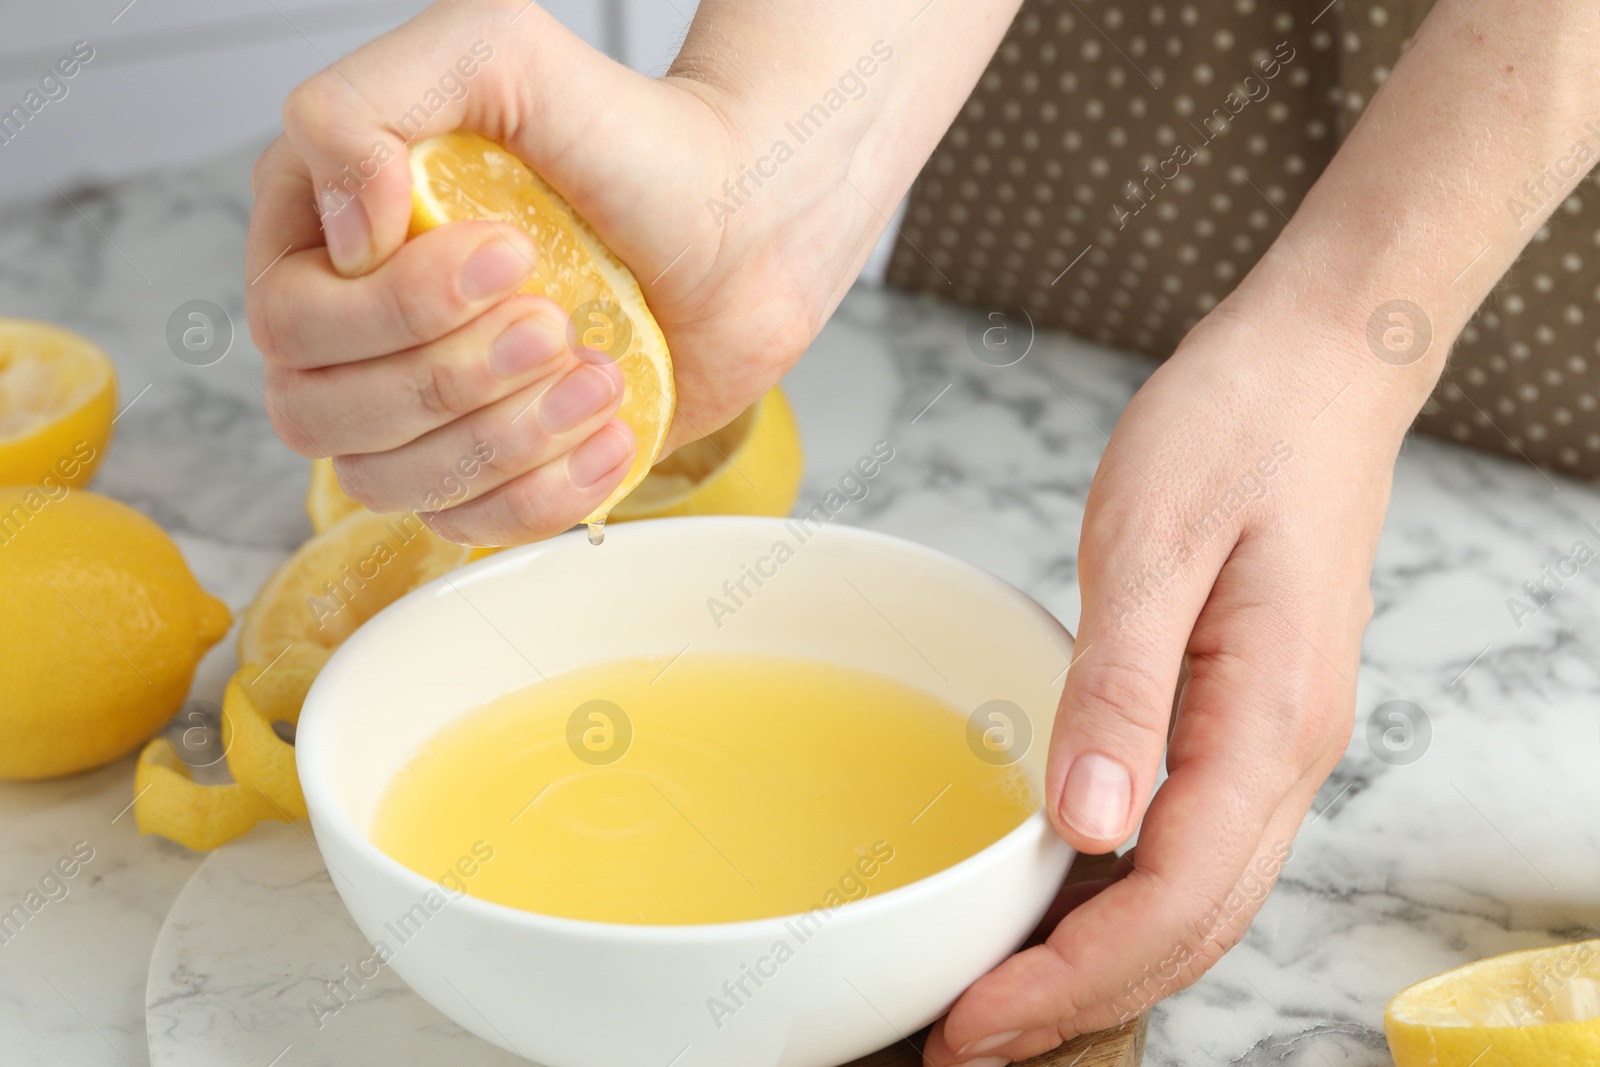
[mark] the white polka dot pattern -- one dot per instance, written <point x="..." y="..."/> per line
<point x="1120" y="166"/>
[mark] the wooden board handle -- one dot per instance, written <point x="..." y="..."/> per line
<point x="1121" y="1046"/>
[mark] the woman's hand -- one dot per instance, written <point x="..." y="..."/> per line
<point x="745" y="190"/>
<point x="1230" y="528"/>
<point x="1233" y="521"/>
<point x="403" y="359"/>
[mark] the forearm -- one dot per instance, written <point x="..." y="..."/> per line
<point x="1483" y="128"/>
<point x="824" y="92"/>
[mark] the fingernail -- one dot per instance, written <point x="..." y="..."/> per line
<point x="525" y="345"/>
<point x="986" y="1061"/>
<point x="581" y="394"/>
<point x="344" y="228"/>
<point x="988" y="1044"/>
<point x="1095" y="801"/>
<point x="597" y="456"/>
<point x="495" y="267"/>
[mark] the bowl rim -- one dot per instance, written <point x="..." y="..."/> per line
<point x="327" y="816"/>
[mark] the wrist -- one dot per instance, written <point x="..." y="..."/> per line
<point x="1379" y="327"/>
<point x="801" y="172"/>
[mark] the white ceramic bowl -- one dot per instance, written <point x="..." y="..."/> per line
<point x="566" y="993"/>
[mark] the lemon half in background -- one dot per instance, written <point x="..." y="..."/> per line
<point x="338" y="580"/>
<point x="58" y="395"/>
<point x="1535" y="1008"/>
<point x="752" y="466"/>
<point x="463" y="175"/>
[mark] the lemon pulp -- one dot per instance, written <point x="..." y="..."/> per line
<point x="716" y="788"/>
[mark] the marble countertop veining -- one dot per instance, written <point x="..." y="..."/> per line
<point x="1484" y="844"/>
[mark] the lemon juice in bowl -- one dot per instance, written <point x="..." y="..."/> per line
<point x="725" y="730"/>
<point x="715" y="788"/>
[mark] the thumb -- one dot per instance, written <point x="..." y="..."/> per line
<point x="452" y="66"/>
<point x="351" y="124"/>
<point x="1140" y="603"/>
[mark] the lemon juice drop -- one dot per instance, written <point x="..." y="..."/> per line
<point x="597" y="532"/>
<point x="711" y="788"/>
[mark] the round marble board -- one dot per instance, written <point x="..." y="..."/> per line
<point x="244" y="971"/>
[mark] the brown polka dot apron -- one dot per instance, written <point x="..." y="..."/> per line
<point x="1120" y="166"/>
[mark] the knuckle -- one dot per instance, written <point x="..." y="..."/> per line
<point x="444" y="389"/>
<point x="421" y="313"/>
<point x="534" y="510"/>
<point x="259" y="320"/>
<point x="1074" y="992"/>
<point x="363" y="484"/>
<point x="1365" y="606"/>
<point x="517" y="447"/>
<point x="268" y="159"/>
<point x="275" y="326"/>
<point x="278" y="386"/>
<point x="1306" y="712"/>
<point x="316" y="103"/>
<point x="279" y="396"/>
<point x="1325" y="736"/>
<point x="1124" y="696"/>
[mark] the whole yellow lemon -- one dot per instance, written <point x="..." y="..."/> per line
<point x="101" y="625"/>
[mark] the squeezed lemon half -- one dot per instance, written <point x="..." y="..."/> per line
<point x="58" y="395"/>
<point x="316" y="599"/>
<point x="752" y="466"/>
<point x="1535" y="1008"/>
<point x="336" y="581"/>
<point x="460" y="176"/>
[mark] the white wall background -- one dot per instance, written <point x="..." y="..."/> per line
<point x="176" y="81"/>
<point x="173" y="81"/>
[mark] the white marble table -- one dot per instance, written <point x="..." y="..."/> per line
<point x="1483" y="845"/>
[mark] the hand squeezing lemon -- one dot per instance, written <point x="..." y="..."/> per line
<point x="752" y="466"/>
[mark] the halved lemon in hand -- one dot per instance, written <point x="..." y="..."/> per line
<point x="1536" y="1008"/>
<point x="58" y="394"/>
<point x="463" y="175"/>
<point x="338" y="580"/>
